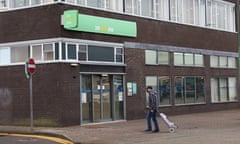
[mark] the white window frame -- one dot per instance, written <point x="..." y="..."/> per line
<point x="115" y="54"/>
<point x="66" y="51"/>
<point x="53" y="50"/>
<point x="86" y="53"/>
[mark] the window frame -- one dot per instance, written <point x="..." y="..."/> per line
<point x="217" y="91"/>
<point x="218" y="63"/>
<point x="156" y="86"/>
<point x="155" y="54"/>
<point x="184" y="90"/>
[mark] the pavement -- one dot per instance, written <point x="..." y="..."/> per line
<point x="219" y="127"/>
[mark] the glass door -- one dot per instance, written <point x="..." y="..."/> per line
<point x="86" y="98"/>
<point x="101" y="98"/>
<point x="118" y="97"/>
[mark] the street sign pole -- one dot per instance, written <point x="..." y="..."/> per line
<point x="31" y="102"/>
<point x="30" y="68"/>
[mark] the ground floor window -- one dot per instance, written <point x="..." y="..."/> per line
<point x="189" y="90"/>
<point x="224" y="89"/>
<point x="161" y="86"/>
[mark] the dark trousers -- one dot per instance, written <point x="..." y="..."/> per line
<point x="152" y="115"/>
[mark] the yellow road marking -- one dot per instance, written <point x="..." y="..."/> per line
<point x="58" y="140"/>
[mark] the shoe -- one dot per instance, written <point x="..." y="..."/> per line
<point x="147" y="130"/>
<point x="155" y="131"/>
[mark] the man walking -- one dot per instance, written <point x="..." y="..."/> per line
<point x="153" y="109"/>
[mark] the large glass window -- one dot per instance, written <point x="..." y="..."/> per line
<point x="161" y="86"/>
<point x="224" y="89"/>
<point x="189" y="90"/>
<point x="221" y="15"/>
<point x="98" y="53"/>
<point x="63" y="51"/>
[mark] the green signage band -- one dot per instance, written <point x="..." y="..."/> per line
<point x="87" y="23"/>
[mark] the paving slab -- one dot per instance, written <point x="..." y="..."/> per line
<point x="219" y="127"/>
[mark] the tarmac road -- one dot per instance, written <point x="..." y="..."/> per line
<point x="30" y="139"/>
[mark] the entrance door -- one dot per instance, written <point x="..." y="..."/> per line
<point x="101" y="98"/>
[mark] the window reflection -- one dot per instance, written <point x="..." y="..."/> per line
<point x="189" y="90"/>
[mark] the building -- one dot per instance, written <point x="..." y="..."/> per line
<point x="95" y="58"/>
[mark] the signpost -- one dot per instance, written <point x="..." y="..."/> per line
<point x="30" y="69"/>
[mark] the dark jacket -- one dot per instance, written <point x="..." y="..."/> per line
<point x="153" y="102"/>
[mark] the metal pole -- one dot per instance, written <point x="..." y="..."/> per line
<point x="31" y="102"/>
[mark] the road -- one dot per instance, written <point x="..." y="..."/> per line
<point x="30" y="139"/>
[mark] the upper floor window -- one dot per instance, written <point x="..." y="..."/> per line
<point x="100" y="53"/>
<point x="3" y="4"/>
<point x="188" y="59"/>
<point x="43" y="52"/>
<point x="25" y="3"/>
<point x="114" y="5"/>
<point x="188" y="11"/>
<point x="220" y="15"/>
<point x="207" y="13"/>
<point x="222" y="62"/>
<point x="61" y="51"/>
<point x="216" y="14"/>
<point x="156" y="57"/>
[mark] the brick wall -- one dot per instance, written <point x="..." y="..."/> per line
<point x="55" y="94"/>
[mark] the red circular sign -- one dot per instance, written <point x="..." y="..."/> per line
<point x="31" y="66"/>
